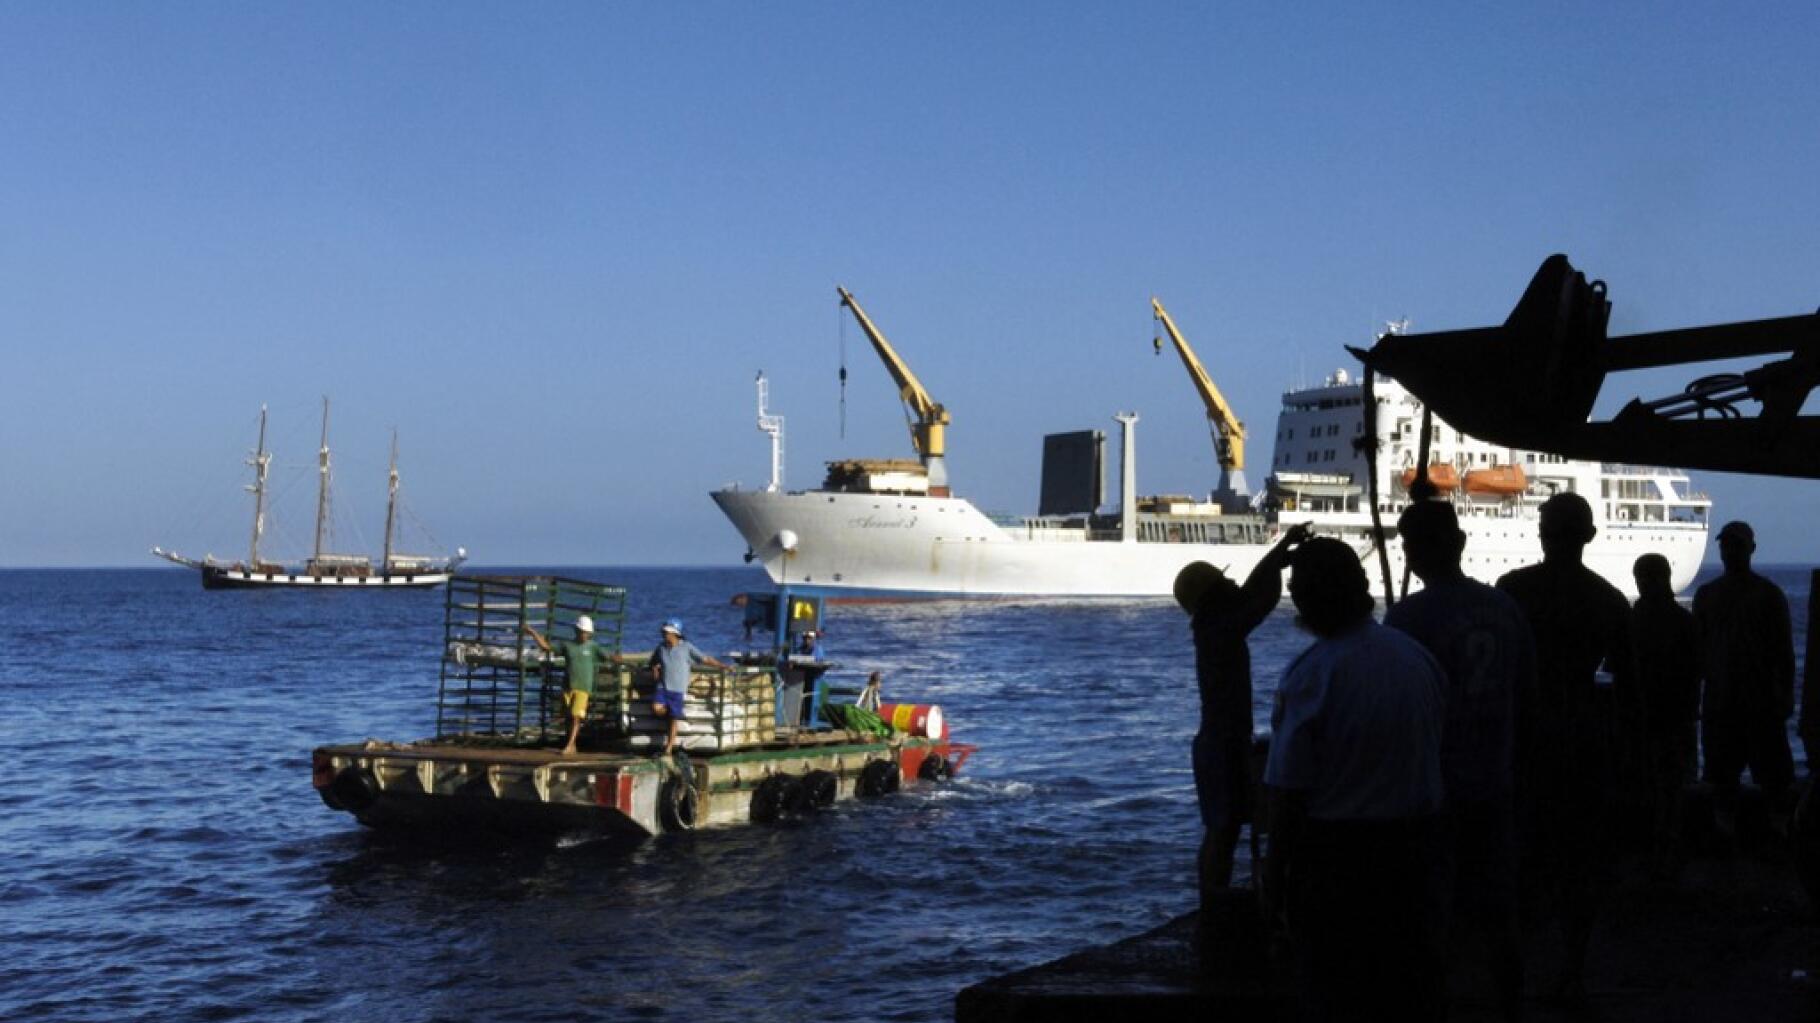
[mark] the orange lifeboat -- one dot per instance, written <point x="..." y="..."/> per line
<point x="1442" y="475"/>
<point x="1497" y="481"/>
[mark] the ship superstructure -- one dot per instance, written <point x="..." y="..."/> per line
<point x="888" y="529"/>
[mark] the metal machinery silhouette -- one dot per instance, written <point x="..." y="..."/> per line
<point x="1555" y="340"/>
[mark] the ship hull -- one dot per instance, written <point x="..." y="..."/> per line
<point x="217" y="578"/>
<point x="872" y="546"/>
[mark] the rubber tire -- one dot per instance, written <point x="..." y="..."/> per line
<point x="935" y="767"/>
<point x="775" y="798"/>
<point x="819" y="789"/>
<point x="354" y="790"/>
<point x="677" y="806"/>
<point x="878" y="778"/>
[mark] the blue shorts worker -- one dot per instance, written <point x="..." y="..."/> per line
<point x="671" y="703"/>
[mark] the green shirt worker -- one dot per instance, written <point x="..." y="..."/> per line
<point x="582" y="659"/>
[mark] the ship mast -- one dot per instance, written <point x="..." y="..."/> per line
<point x="391" y="502"/>
<point x="773" y="426"/>
<point x="322" y="490"/>
<point x="260" y="461"/>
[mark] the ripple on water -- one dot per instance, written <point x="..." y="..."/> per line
<point x="171" y="860"/>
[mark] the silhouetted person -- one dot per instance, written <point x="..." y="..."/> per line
<point x="1354" y="778"/>
<point x="1749" y="667"/>
<point x="1666" y="642"/>
<point x="1223" y="614"/>
<point x="1564" y="762"/>
<point x="1483" y="644"/>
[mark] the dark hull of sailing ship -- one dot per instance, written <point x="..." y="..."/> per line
<point x="236" y="577"/>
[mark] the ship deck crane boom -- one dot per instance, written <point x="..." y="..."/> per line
<point x="929" y="419"/>
<point x="1222" y="423"/>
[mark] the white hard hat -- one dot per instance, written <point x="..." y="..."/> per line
<point x="584" y="624"/>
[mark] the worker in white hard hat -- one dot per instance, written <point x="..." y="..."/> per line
<point x="581" y="662"/>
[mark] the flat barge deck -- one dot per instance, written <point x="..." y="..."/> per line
<point x="430" y="786"/>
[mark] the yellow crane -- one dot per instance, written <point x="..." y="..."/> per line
<point x="1228" y="433"/>
<point x="928" y="419"/>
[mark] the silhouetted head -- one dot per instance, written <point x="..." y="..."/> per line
<point x="1200" y="583"/>
<point x="1328" y="586"/>
<point x="1652" y="574"/>
<point x="1432" y="539"/>
<point x="1737" y="542"/>
<point x="1566" y="527"/>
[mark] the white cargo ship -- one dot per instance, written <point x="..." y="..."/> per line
<point x="887" y="529"/>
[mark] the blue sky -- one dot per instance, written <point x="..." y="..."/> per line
<point x="552" y="244"/>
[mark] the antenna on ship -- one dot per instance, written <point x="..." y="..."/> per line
<point x="774" y="426"/>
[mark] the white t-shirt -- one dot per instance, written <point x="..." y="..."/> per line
<point x="1357" y="725"/>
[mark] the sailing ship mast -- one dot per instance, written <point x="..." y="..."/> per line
<point x="322" y="490"/>
<point x="391" y="503"/>
<point x="260" y="462"/>
<point x="321" y="569"/>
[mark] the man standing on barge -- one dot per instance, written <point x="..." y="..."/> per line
<point x="581" y="663"/>
<point x="670" y="664"/>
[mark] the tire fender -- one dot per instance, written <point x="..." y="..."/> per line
<point x="935" y="767"/>
<point x="353" y="790"/>
<point x="878" y="778"/>
<point x="775" y="798"/>
<point x="819" y="789"/>
<point x="677" y="805"/>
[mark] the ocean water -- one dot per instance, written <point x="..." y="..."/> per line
<point x="165" y="857"/>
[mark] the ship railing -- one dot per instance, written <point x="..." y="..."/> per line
<point x="1627" y="469"/>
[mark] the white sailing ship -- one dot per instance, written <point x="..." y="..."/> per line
<point x="324" y="569"/>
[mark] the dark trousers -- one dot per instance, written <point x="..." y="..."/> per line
<point x="1757" y="741"/>
<point x="1366" y="911"/>
<point x="1481" y="887"/>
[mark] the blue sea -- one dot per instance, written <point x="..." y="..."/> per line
<point x="164" y="856"/>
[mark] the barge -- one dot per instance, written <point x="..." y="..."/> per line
<point x="759" y="743"/>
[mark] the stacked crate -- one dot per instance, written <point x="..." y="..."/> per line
<point x="497" y="685"/>
<point x="725" y="708"/>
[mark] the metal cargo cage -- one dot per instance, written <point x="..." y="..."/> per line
<point x="497" y="685"/>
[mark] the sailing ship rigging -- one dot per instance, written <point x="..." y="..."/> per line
<point x="323" y="568"/>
